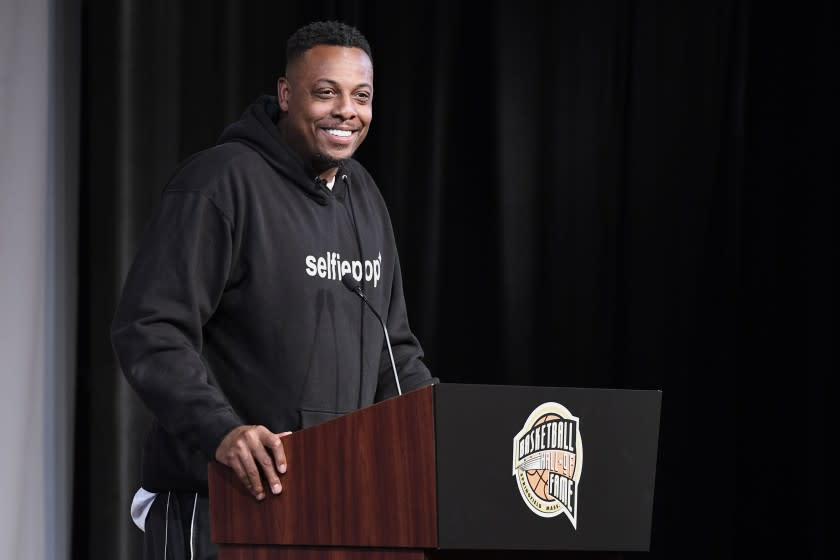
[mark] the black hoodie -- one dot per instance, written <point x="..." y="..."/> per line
<point x="234" y="313"/>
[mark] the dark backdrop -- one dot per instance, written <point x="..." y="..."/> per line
<point x="604" y="194"/>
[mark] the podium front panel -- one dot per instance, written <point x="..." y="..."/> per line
<point x="507" y="460"/>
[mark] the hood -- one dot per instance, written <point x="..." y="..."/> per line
<point x="257" y="129"/>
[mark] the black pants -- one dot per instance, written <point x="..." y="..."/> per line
<point x="178" y="528"/>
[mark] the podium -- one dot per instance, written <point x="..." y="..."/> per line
<point x="456" y="471"/>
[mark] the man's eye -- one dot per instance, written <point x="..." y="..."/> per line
<point x="363" y="96"/>
<point x="324" y="92"/>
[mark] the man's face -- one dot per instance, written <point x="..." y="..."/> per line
<point x="328" y="97"/>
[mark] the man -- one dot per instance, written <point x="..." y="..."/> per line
<point x="234" y="326"/>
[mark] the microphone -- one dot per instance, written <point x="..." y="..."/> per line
<point x="351" y="284"/>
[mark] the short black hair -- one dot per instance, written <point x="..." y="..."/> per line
<point x="324" y="33"/>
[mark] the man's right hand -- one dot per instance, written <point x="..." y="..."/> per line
<point x="247" y="449"/>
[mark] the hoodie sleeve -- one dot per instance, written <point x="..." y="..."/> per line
<point x="172" y="289"/>
<point x="408" y="354"/>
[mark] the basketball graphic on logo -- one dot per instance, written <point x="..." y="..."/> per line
<point x="538" y="478"/>
<point x="548" y="460"/>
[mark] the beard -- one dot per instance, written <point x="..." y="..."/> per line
<point x="321" y="163"/>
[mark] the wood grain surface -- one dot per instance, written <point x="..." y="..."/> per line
<point x="366" y="479"/>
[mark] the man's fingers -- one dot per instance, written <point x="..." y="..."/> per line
<point x="267" y="463"/>
<point x="247" y="481"/>
<point x="274" y="443"/>
<point x="240" y="473"/>
<point x="251" y="449"/>
<point x="252" y="475"/>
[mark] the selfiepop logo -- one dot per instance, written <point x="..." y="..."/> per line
<point x="331" y="267"/>
<point x="548" y="460"/>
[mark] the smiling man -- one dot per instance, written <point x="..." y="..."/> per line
<point x="327" y="96"/>
<point x="234" y="327"/>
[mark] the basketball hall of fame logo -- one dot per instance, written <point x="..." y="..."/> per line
<point x="547" y="461"/>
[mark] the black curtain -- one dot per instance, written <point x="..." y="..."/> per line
<point x="602" y="194"/>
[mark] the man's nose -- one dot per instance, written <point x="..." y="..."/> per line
<point x="344" y="107"/>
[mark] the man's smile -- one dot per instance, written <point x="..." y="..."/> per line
<point x="340" y="135"/>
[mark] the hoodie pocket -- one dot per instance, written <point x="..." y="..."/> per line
<point x="311" y="417"/>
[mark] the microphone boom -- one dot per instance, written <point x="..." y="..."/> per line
<point x="351" y="284"/>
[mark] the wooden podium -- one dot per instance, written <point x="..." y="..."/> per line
<point x="433" y="474"/>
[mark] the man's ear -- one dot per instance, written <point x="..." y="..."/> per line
<point x="283" y="93"/>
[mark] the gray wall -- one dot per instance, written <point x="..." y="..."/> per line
<point x="38" y="208"/>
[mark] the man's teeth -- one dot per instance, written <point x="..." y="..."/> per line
<point x="336" y="132"/>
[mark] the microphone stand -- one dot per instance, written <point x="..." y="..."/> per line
<point x="356" y="288"/>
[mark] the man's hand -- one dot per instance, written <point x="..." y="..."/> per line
<point x="247" y="449"/>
